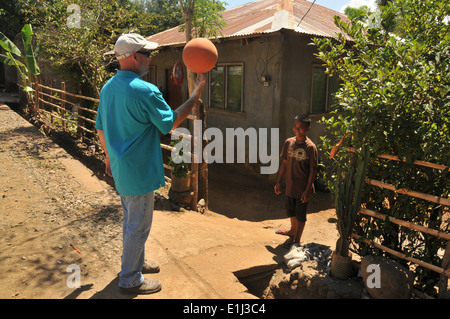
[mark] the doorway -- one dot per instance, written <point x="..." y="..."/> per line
<point x="173" y="91"/>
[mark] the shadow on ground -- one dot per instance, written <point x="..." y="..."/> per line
<point x="235" y="194"/>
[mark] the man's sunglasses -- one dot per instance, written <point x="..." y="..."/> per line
<point x="146" y="53"/>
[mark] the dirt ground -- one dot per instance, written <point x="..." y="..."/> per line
<point x="55" y="213"/>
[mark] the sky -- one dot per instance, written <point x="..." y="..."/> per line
<point x="337" y="5"/>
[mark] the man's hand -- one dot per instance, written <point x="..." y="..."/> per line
<point x="199" y="84"/>
<point x="108" y="167"/>
<point x="184" y="110"/>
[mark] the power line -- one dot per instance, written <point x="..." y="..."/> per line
<point x="305" y="14"/>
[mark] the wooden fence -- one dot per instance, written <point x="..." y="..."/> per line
<point x="444" y="269"/>
<point x="68" y="112"/>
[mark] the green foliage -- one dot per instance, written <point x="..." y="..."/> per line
<point x="25" y="61"/>
<point x="348" y="190"/>
<point x="357" y="14"/>
<point x="77" y="50"/>
<point x="167" y="12"/>
<point x="206" y="17"/>
<point x="180" y="168"/>
<point x="395" y="99"/>
<point x="11" y="21"/>
<point x="208" y="20"/>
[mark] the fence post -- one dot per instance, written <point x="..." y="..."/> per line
<point x="51" y="101"/>
<point x="36" y="96"/>
<point x="63" y="105"/>
<point x="80" y="123"/>
<point x="443" y="279"/>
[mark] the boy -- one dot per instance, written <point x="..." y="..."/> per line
<point x="299" y="164"/>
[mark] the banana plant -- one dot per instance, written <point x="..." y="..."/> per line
<point x="25" y="62"/>
<point x="348" y="191"/>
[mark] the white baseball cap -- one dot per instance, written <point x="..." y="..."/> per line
<point x="129" y="43"/>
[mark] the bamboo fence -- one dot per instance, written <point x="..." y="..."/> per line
<point x="444" y="269"/>
<point x="64" y="111"/>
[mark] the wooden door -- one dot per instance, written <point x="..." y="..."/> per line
<point x="173" y="91"/>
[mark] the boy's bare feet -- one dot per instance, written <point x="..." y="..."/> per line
<point x="285" y="232"/>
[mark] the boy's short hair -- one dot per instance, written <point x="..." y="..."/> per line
<point x="303" y="118"/>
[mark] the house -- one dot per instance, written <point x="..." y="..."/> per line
<point x="266" y="71"/>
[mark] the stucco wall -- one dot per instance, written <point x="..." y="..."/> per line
<point x="260" y="102"/>
<point x="298" y="61"/>
<point x="286" y="57"/>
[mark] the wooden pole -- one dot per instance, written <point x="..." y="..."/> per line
<point x="409" y="225"/>
<point x="63" y="105"/>
<point x="79" y="123"/>
<point x="188" y="14"/>
<point x="203" y="165"/>
<point x="36" y="97"/>
<point x="395" y="158"/>
<point x="194" y="173"/>
<point x="70" y="94"/>
<point x="431" y="198"/>
<point x="443" y="280"/>
<point x="52" y="101"/>
<point x="434" y="268"/>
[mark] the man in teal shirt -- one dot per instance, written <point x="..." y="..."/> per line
<point x="131" y="113"/>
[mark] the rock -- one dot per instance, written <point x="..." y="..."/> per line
<point x="201" y="206"/>
<point x="385" y="278"/>
<point x="310" y="281"/>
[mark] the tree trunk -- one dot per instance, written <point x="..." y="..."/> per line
<point x="188" y="13"/>
<point x="203" y="169"/>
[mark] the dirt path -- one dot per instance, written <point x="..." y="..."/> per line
<point x="49" y="201"/>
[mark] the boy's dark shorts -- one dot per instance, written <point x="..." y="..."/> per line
<point x="295" y="208"/>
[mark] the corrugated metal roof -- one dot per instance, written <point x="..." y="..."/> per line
<point x="266" y="16"/>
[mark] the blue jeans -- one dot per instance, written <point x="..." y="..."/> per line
<point x="137" y="221"/>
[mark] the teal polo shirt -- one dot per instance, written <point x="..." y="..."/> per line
<point x="131" y="113"/>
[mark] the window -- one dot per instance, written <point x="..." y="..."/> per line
<point x="226" y="87"/>
<point x="323" y="90"/>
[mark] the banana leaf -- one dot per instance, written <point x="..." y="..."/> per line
<point x="9" y="60"/>
<point x="9" y="46"/>
<point x="21" y="68"/>
<point x="27" y="37"/>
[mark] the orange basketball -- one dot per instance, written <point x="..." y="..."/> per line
<point x="200" y="55"/>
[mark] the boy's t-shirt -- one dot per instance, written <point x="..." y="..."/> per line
<point x="300" y="158"/>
